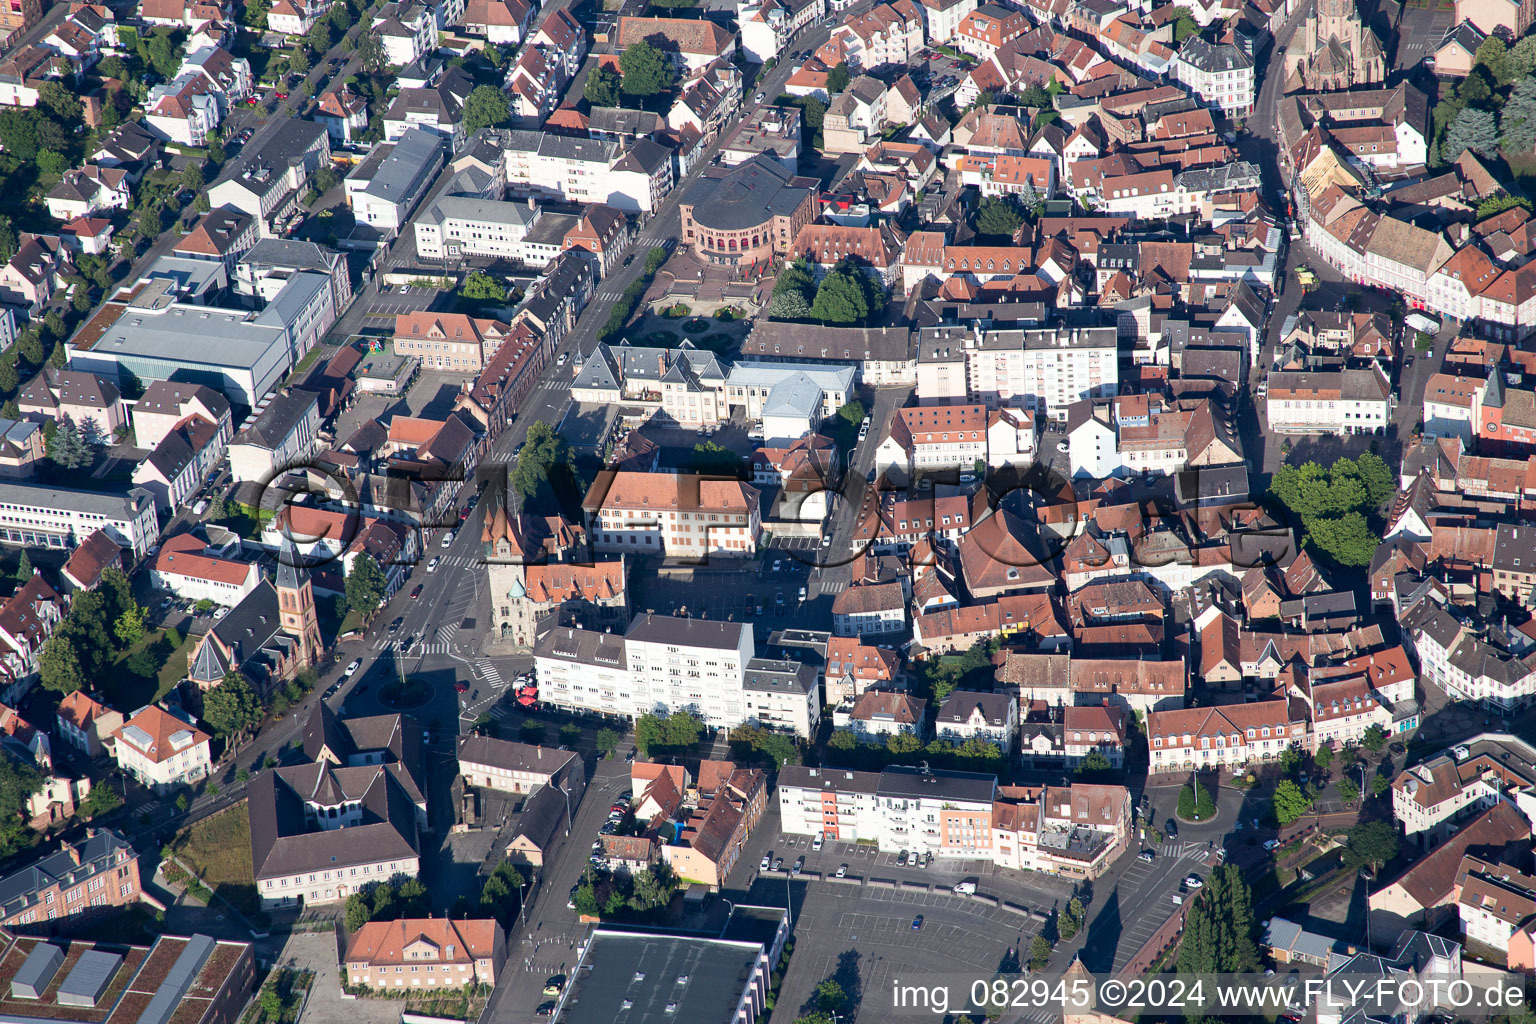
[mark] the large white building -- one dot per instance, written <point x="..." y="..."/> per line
<point x="633" y="179"/>
<point x="1042" y="370"/>
<point x="662" y="664"/>
<point x="948" y="814"/>
<point x="692" y="665"/>
<point x="676" y="514"/>
<point x="33" y="515"/>
<point x="161" y="750"/>
<point x="384" y="189"/>
<point x="1329" y="402"/>
<point x="1219" y="73"/>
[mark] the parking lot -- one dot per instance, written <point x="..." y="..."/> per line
<point x="1420" y="30"/>
<point x="403" y="298"/>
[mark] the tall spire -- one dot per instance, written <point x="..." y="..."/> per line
<point x="292" y="570"/>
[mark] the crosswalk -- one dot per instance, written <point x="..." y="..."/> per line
<point x="492" y="676"/>
<point x="1193" y="851"/>
<point x="609" y="294"/>
<point x="1041" y="1017"/>
<point x="445" y="632"/>
<point x="457" y="561"/>
<point x="831" y="586"/>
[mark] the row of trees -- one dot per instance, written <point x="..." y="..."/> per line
<point x="848" y="294"/>
<point x="621" y="894"/>
<point x="972" y="755"/>
<point x="674" y="733"/>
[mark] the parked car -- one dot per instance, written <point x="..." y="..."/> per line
<point x="917" y="923"/>
<point x="799" y="865"/>
<point x="842" y="871"/>
<point x="767" y="862"/>
<point x="1193" y="882"/>
<point x="1145" y="855"/>
<point x="1271" y="844"/>
<point x="356" y="663"/>
<point x="820" y="838"/>
<point x="778" y="863"/>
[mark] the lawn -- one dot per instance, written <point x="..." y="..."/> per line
<point x="129" y="683"/>
<point x="218" y="850"/>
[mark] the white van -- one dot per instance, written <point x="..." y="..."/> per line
<point x="965" y="888"/>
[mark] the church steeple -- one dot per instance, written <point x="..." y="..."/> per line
<point x="296" y="600"/>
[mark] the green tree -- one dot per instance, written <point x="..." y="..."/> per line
<point x="50" y="162"/>
<point x="607" y="741"/>
<point x="370" y="53"/>
<point x="1380" y="784"/>
<point x="479" y="287"/>
<point x="299" y="62"/>
<point x="101" y="799"/>
<point x="1337" y="505"/>
<point x="789" y="305"/>
<point x="838" y="78"/>
<point x="1375" y="739"/>
<point x="997" y="219"/>
<point x="59" y="665"/>
<point x="130" y="624"/>
<point x="1039" y="953"/>
<point x="7" y="238"/>
<point x="602" y="88"/>
<point x="649" y="731"/>
<point x="1494" y="56"/>
<point x="646" y="71"/>
<point x="900" y="743"/>
<point x="1219" y="929"/>
<point x="1348" y="791"/>
<point x="486" y="107"/>
<point x="231" y="707"/>
<point x="829" y="996"/>
<point x="365" y="585"/>
<point x="359" y="912"/>
<point x="23" y="567"/>
<point x="1498" y="204"/>
<point x="1323" y="759"/>
<point x="60" y="102"/>
<point x="1371" y="844"/>
<point x="1473" y="129"/>
<point x="545" y="456"/>
<point x="1289" y="802"/>
<point x="844" y="296"/>
<point x="1094" y="766"/>
<point x="843" y="741"/>
<point x="66" y="448"/>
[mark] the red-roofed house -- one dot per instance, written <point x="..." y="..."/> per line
<point x="86" y="724"/>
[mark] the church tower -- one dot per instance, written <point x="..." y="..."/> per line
<point x="296" y="601"/>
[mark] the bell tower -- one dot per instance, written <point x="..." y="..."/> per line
<point x="296" y="601"/>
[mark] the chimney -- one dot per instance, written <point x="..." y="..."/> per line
<point x="74" y="854"/>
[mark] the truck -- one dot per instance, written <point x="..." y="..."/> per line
<point x="1422" y="322"/>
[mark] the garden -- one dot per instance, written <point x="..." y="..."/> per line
<point x="217" y="849"/>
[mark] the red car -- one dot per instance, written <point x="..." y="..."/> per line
<point x="461" y="686"/>
<point x="282" y="95"/>
<point x="252" y="101"/>
<point x="417" y="592"/>
<point x="463" y="514"/>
